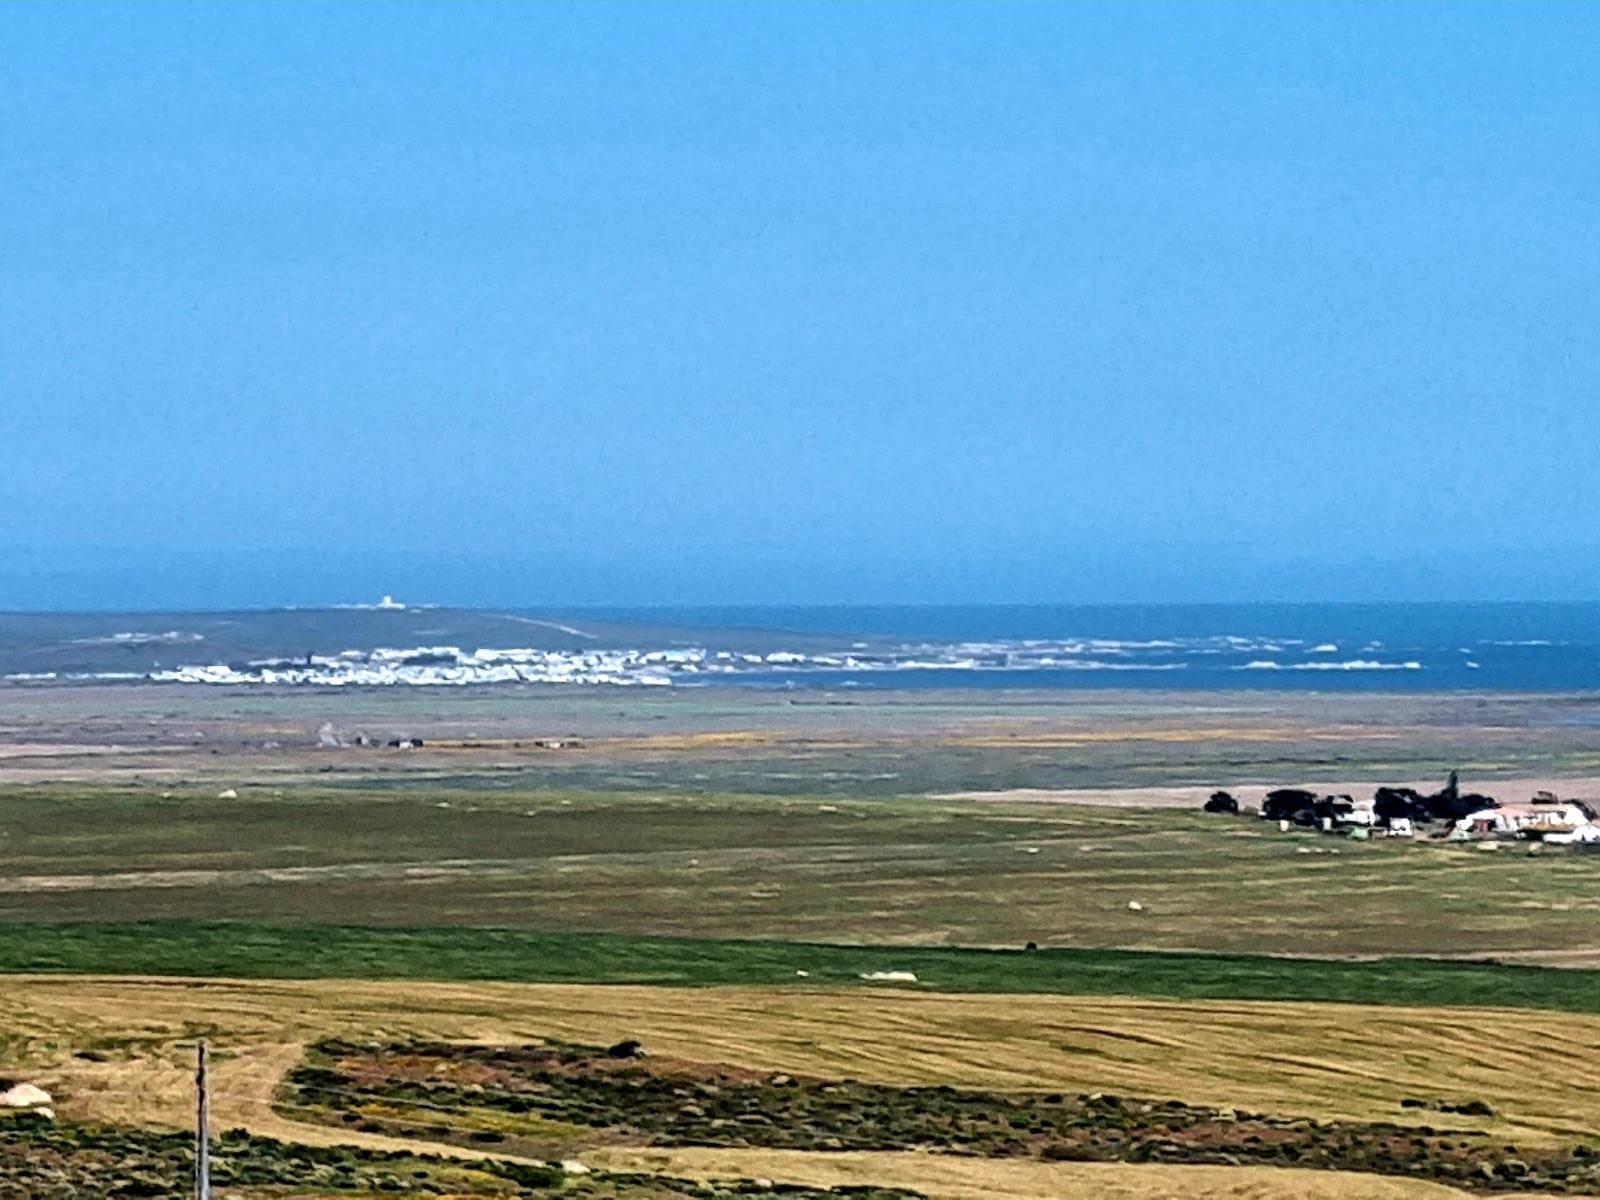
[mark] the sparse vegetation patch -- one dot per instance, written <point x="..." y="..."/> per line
<point x="42" y="1160"/>
<point x="555" y="1093"/>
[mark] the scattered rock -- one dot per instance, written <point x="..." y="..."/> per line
<point x="24" y="1095"/>
<point x="627" y="1048"/>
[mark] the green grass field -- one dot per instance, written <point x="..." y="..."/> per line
<point x="894" y="870"/>
<point x="217" y="949"/>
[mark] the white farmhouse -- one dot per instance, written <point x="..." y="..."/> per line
<point x="1561" y="821"/>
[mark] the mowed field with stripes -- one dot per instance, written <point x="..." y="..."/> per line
<point x="119" y="1050"/>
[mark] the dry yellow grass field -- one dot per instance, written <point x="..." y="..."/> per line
<point x="1538" y="1070"/>
<point x="946" y="1177"/>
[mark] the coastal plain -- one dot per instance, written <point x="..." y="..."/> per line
<point x="1132" y="746"/>
<point x="724" y="874"/>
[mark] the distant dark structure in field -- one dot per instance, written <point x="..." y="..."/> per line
<point x="1395" y="811"/>
<point x="1289" y="804"/>
<point x="1448" y="804"/>
<point x="1392" y="810"/>
<point x="1388" y="806"/>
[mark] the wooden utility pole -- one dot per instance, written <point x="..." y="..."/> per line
<point x="202" y="1144"/>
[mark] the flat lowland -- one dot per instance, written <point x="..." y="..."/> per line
<point x="747" y="740"/>
<point x="118" y="1051"/>
<point x="904" y="870"/>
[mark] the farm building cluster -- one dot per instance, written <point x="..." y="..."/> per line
<point x="1447" y="813"/>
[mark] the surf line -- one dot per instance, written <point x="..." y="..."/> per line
<point x="557" y="626"/>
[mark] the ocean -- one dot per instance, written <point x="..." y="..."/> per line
<point x="1518" y="646"/>
<point x="1372" y="647"/>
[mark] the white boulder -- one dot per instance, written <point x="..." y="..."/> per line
<point x="24" y="1095"/>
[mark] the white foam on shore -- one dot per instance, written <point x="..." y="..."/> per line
<point x="445" y="665"/>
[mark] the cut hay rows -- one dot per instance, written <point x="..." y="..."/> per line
<point x="945" y="1177"/>
<point x="1538" y="1070"/>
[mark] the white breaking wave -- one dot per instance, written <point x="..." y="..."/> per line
<point x="453" y="666"/>
<point x="174" y="636"/>
<point x="556" y="625"/>
<point x="443" y="665"/>
<point x="449" y="666"/>
<point x="1355" y="664"/>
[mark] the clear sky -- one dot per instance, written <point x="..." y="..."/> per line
<point x="560" y="304"/>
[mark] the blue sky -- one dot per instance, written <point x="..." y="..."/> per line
<point x="564" y="304"/>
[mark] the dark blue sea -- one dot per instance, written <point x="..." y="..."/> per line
<point x="1326" y="647"/>
<point x="1518" y="646"/>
